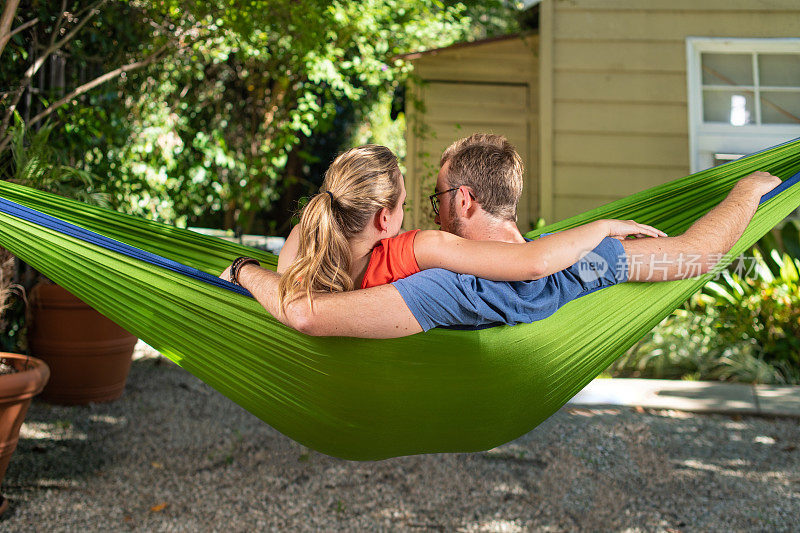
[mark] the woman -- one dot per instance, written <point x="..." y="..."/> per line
<point x="348" y="236"/>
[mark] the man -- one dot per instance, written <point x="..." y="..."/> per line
<point x="477" y="190"/>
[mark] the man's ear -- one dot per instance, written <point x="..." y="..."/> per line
<point x="467" y="201"/>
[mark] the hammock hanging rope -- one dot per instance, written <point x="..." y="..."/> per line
<point x="441" y="391"/>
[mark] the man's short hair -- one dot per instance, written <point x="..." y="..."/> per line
<point x="491" y="166"/>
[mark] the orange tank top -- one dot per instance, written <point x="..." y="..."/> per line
<point x="391" y="259"/>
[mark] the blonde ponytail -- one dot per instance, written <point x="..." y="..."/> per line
<point x="357" y="185"/>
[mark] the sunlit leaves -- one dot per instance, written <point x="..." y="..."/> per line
<point x="214" y="131"/>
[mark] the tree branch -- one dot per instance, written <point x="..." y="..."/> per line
<point x="13" y="106"/>
<point x="79" y="14"/>
<point x="21" y="27"/>
<point x="81" y="23"/>
<point x="57" y="27"/>
<point x="87" y="87"/>
<point x="5" y="22"/>
<point x="37" y="64"/>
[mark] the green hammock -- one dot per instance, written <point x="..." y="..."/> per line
<point x="441" y="391"/>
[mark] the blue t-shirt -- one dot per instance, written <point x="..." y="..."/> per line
<point x="438" y="297"/>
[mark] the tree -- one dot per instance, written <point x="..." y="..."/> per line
<point x="207" y="111"/>
<point x="44" y="33"/>
<point x="234" y="115"/>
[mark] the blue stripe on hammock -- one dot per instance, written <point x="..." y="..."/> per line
<point x="780" y="188"/>
<point x="50" y="222"/>
<point x="47" y="221"/>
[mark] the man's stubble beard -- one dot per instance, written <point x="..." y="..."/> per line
<point x="456" y="227"/>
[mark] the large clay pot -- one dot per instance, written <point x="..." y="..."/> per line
<point x="88" y="354"/>
<point x="16" y="391"/>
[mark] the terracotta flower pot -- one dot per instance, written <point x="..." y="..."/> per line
<point x="16" y="391"/>
<point x="88" y="354"/>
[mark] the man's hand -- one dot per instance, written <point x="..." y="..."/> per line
<point x="758" y="183"/>
<point x="226" y="274"/>
<point x="621" y="229"/>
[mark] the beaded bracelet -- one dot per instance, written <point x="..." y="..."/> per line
<point x="237" y="265"/>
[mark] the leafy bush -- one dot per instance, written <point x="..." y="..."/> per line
<point x="744" y="326"/>
<point x="220" y="113"/>
<point x="764" y="309"/>
<point x="36" y="163"/>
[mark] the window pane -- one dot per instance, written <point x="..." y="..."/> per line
<point x="731" y="107"/>
<point x="780" y="108"/>
<point x="779" y="70"/>
<point x="727" y="69"/>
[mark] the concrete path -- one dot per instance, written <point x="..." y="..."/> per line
<point x="695" y="396"/>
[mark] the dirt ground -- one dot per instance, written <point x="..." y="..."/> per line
<point x="203" y="464"/>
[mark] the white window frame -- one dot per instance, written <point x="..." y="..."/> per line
<point x="706" y="139"/>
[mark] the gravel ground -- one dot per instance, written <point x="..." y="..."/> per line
<point x="203" y="464"/>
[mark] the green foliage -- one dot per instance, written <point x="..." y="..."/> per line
<point x="790" y="237"/>
<point x="65" y="49"/>
<point x="378" y="127"/>
<point x="742" y="327"/>
<point x="764" y="308"/>
<point x="36" y="163"/>
<point x="251" y="102"/>
<point x="258" y="83"/>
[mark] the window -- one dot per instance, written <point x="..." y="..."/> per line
<point x="744" y="96"/>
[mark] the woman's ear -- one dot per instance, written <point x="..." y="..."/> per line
<point x="382" y="219"/>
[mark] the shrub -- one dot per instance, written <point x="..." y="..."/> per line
<point x="763" y="308"/>
<point x="742" y="327"/>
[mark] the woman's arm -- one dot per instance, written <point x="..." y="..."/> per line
<point x="503" y="261"/>
<point x="289" y="250"/>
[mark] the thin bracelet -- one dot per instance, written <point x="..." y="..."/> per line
<point x="237" y="265"/>
<point x="234" y="267"/>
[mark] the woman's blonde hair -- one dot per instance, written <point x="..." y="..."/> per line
<point x="357" y="185"/>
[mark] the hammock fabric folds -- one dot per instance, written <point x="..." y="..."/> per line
<point x="441" y="391"/>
